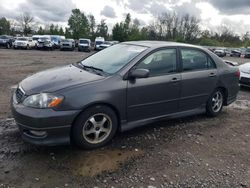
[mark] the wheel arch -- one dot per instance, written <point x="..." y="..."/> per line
<point x="225" y="94"/>
<point x="99" y="104"/>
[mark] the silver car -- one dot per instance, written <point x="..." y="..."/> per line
<point x="67" y="44"/>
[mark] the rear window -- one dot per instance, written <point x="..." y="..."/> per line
<point x="195" y="60"/>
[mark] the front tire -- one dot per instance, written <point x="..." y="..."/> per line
<point x="95" y="127"/>
<point x="215" y="103"/>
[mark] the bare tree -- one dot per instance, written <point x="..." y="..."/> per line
<point x="25" y="20"/>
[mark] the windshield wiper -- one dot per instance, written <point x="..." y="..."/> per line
<point x="93" y="69"/>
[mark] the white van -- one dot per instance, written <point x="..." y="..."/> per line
<point x="98" y="42"/>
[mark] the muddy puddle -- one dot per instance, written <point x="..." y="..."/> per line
<point x="43" y="168"/>
<point x="95" y="162"/>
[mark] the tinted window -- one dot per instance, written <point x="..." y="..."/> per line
<point x="195" y="60"/>
<point x="160" y="63"/>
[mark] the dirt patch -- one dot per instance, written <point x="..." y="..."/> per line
<point x="94" y="163"/>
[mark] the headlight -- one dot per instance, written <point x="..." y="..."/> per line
<point x="43" y="100"/>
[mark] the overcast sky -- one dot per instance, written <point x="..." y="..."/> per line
<point x="212" y="13"/>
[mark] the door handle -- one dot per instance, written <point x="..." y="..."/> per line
<point x="212" y="74"/>
<point x="175" y="79"/>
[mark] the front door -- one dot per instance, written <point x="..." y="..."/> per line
<point x="158" y="94"/>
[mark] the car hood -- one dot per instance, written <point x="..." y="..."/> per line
<point x="245" y="67"/>
<point x="57" y="78"/>
<point x="83" y="45"/>
<point x="23" y="41"/>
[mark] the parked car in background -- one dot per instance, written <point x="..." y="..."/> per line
<point x="45" y="42"/>
<point x="24" y="43"/>
<point x="105" y="44"/>
<point x="220" y="52"/>
<point x="119" y="88"/>
<point x="6" y="41"/>
<point x="98" y="42"/>
<point x="245" y="74"/>
<point x="35" y="39"/>
<point x="235" y="53"/>
<point x="84" y="45"/>
<point x="56" y="40"/>
<point x="67" y="44"/>
<point x="247" y="53"/>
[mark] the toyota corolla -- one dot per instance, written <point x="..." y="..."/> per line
<point x="122" y="87"/>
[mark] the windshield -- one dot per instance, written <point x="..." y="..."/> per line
<point x="54" y="39"/>
<point x="44" y="38"/>
<point x="3" y="37"/>
<point x="248" y="50"/>
<point x="98" y="42"/>
<point x="66" y="40"/>
<point x="35" y="38"/>
<point x="84" y="42"/>
<point x="22" y="39"/>
<point x="113" y="58"/>
<point x="107" y="43"/>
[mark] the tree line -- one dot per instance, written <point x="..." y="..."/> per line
<point x="166" y="27"/>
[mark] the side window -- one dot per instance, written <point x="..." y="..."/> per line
<point x="195" y="60"/>
<point x="160" y="62"/>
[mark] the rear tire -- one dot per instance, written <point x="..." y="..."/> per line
<point x="95" y="127"/>
<point x="215" y="103"/>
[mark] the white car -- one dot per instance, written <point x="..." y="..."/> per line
<point x="105" y="44"/>
<point x="24" y="42"/>
<point x="67" y="44"/>
<point x="98" y="42"/>
<point x="84" y="45"/>
<point x="245" y="74"/>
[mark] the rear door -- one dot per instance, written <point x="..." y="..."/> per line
<point x="158" y="94"/>
<point x="199" y="78"/>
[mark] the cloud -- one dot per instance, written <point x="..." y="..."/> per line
<point x="232" y="7"/>
<point x="41" y="10"/>
<point x="157" y="9"/>
<point x="108" y="12"/>
<point x="47" y="10"/>
<point x="187" y="8"/>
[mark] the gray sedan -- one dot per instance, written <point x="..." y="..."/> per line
<point x="122" y="87"/>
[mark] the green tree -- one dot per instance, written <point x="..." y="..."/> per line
<point x="117" y="32"/>
<point x="92" y="26"/>
<point x="78" y="24"/>
<point x="40" y="31"/>
<point x="61" y="32"/>
<point x="102" y="29"/>
<point x="4" y="26"/>
<point x="68" y="33"/>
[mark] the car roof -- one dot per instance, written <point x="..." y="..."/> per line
<point x="158" y="44"/>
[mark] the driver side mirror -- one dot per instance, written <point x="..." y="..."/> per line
<point x="139" y="73"/>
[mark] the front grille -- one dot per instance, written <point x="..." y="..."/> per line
<point x="19" y="95"/>
<point x="65" y="44"/>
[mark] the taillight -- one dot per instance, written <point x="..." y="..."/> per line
<point x="237" y="74"/>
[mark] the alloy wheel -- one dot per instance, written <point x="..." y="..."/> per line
<point x="97" y="128"/>
<point x="217" y="101"/>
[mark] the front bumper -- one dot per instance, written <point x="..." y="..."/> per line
<point x="244" y="79"/>
<point x="43" y="126"/>
<point x="83" y="48"/>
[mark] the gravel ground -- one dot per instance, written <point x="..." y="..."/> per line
<point x="190" y="152"/>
